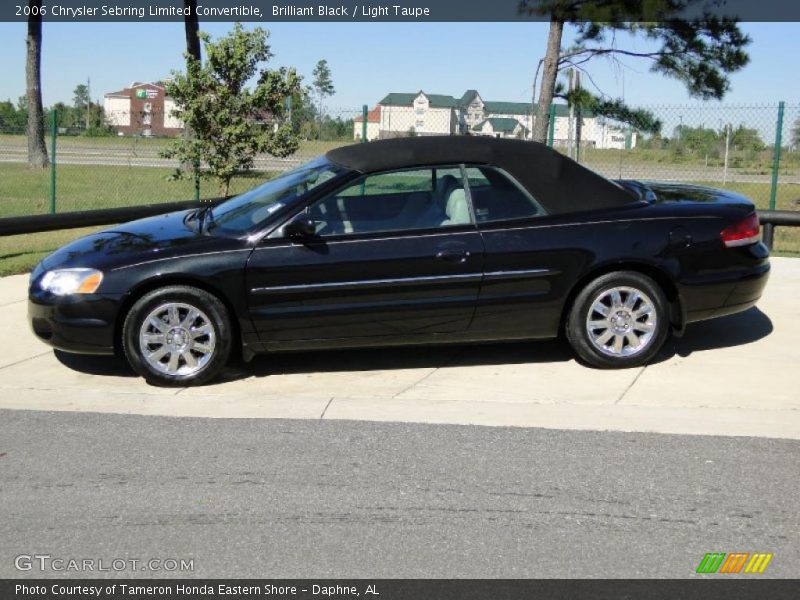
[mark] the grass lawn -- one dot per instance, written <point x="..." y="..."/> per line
<point x="25" y="192"/>
<point x="20" y="253"/>
<point x="759" y="163"/>
<point x="787" y="239"/>
<point x="759" y="193"/>
<point x="80" y="187"/>
<point x="307" y="147"/>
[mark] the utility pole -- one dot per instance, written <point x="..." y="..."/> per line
<point x="571" y="121"/>
<point x="727" y="145"/>
<point x="88" y="100"/>
<point x="578" y="120"/>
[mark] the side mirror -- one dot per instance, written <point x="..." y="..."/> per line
<point x="300" y="226"/>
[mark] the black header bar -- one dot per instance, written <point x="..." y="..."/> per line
<point x="417" y="11"/>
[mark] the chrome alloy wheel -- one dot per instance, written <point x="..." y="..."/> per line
<point x="621" y="321"/>
<point x="177" y="339"/>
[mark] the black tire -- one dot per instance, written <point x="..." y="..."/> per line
<point x="210" y="351"/>
<point x="590" y="343"/>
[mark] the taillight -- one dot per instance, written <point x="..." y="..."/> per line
<point x="747" y="231"/>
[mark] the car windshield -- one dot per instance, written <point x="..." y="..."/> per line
<point x="252" y="209"/>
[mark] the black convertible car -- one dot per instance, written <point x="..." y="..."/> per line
<point x="407" y="241"/>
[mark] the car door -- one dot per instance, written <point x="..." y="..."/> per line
<point x="529" y="264"/>
<point x="394" y="254"/>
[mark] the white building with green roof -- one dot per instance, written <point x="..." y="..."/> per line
<point x="418" y="114"/>
<point x="501" y="127"/>
<point x="421" y="113"/>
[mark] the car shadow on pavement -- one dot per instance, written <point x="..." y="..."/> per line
<point x="735" y="330"/>
<point x="366" y="359"/>
<point x="109" y="366"/>
<point x="410" y="357"/>
<point x="725" y="332"/>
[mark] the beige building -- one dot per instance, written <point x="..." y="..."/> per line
<point x="417" y="114"/>
<point x="501" y="127"/>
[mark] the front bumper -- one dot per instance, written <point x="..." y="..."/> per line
<point x="84" y="324"/>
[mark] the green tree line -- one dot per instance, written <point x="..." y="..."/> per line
<point x="82" y="117"/>
<point x="705" y="141"/>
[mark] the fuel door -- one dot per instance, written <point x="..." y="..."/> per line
<point x="679" y="238"/>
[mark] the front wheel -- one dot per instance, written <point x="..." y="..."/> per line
<point x="619" y="320"/>
<point x="177" y="335"/>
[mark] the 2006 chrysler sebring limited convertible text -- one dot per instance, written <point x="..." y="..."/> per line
<point x="407" y="241"/>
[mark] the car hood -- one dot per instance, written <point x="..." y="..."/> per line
<point x="137" y="240"/>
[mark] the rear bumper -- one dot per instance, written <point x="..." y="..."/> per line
<point x="80" y="324"/>
<point x="726" y="294"/>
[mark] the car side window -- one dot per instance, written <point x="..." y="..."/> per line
<point x="395" y="201"/>
<point x="497" y="197"/>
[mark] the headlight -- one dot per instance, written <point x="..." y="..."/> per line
<point x="71" y="281"/>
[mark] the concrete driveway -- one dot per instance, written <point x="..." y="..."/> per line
<point x="733" y="376"/>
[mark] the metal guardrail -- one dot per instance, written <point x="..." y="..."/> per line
<point x="771" y="219"/>
<point x="90" y="218"/>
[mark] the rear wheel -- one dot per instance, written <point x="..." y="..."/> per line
<point x="177" y="335"/>
<point x="619" y="320"/>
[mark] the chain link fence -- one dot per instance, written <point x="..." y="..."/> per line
<point x="117" y="161"/>
<point x="121" y="163"/>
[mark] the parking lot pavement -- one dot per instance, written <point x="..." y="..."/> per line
<point x="731" y="376"/>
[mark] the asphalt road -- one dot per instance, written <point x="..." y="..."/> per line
<point x="284" y="498"/>
<point x="149" y="157"/>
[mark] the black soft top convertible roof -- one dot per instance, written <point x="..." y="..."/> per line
<point x="560" y="184"/>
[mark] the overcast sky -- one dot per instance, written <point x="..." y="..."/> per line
<point x="369" y="60"/>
